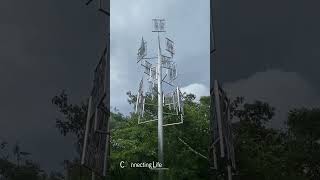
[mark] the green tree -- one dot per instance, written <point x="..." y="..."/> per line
<point x="74" y="118"/>
<point x="261" y="152"/>
<point x="18" y="170"/>
<point x="138" y="143"/>
<point x="265" y="153"/>
<point x="303" y="141"/>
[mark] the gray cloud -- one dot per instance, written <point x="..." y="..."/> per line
<point x="253" y="36"/>
<point x="45" y="46"/>
<point x="282" y="90"/>
<point x="269" y="50"/>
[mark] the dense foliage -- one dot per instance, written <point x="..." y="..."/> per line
<point x="15" y="165"/>
<point x="133" y="142"/>
<point x="261" y="152"/>
<point x="265" y="153"/>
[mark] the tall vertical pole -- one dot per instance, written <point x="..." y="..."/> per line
<point x="229" y="172"/>
<point x="93" y="176"/>
<point x="219" y="118"/>
<point x="160" y="111"/>
<point x="87" y="130"/>
<point x="107" y="152"/>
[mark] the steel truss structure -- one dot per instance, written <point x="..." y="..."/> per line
<point x="164" y="71"/>
<point x="221" y="147"/>
<point x="96" y="147"/>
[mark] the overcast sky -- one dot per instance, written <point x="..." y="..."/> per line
<point x="186" y="24"/>
<point x="45" y="46"/>
<point x="269" y="50"/>
<point x="266" y="50"/>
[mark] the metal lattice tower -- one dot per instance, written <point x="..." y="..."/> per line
<point x="96" y="149"/>
<point x="156" y="78"/>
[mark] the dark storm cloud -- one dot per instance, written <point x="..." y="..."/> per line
<point x="282" y="90"/>
<point x="45" y="46"/>
<point x="255" y="37"/>
<point x="258" y="35"/>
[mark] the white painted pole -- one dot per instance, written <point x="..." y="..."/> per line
<point x="160" y="111"/>
<point x="86" y="131"/>
<point x="93" y="176"/>
<point x="107" y="152"/>
<point x="219" y="120"/>
<point x="229" y="172"/>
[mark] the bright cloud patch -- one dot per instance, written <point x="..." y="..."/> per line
<point x="196" y="89"/>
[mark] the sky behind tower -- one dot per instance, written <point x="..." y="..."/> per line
<point x="186" y="24"/>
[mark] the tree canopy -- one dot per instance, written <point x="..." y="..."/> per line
<point x="261" y="152"/>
